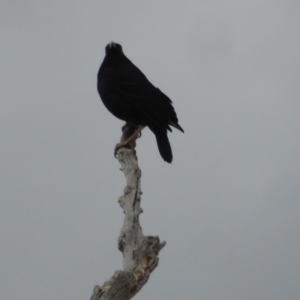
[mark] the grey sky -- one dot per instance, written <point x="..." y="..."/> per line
<point x="228" y="206"/>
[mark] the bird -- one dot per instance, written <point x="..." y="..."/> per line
<point x="130" y="96"/>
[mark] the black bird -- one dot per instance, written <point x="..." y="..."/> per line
<point x="130" y="96"/>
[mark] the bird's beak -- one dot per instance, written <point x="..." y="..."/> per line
<point x="112" y="44"/>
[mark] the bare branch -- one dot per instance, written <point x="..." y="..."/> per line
<point x="140" y="253"/>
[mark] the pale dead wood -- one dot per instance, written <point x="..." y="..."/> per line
<point x="140" y="253"/>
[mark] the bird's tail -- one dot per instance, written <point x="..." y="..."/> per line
<point x="164" y="146"/>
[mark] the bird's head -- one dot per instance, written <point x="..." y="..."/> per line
<point x="114" y="48"/>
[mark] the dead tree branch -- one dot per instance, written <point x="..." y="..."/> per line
<point x="140" y="253"/>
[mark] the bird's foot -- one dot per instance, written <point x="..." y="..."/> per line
<point x="130" y="142"/>
<point x="121" y="145"/>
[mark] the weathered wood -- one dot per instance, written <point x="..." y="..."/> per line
<point x="140" y="253"/>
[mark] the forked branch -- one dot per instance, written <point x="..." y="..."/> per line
<point x="140" y="253"/>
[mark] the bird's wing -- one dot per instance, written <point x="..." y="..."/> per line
<point x="132" y="86"/>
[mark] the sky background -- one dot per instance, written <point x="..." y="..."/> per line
<point x="228" y="205"/>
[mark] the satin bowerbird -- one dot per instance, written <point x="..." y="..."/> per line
<point x="130" y="96"/>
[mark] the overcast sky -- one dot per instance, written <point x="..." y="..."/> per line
<point x="228" y="205"/>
